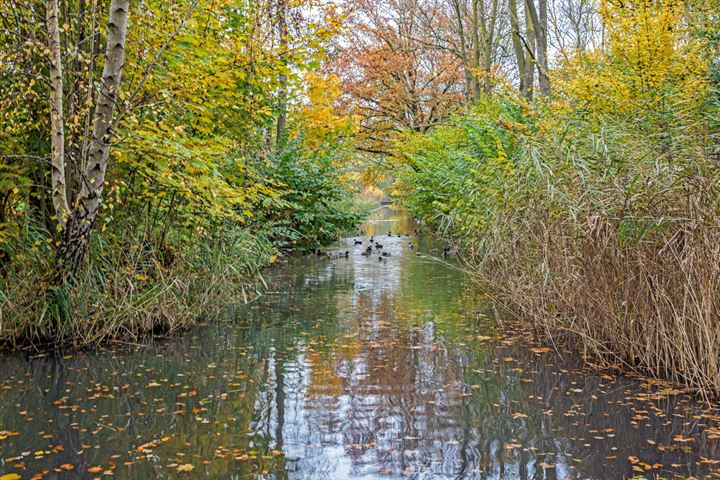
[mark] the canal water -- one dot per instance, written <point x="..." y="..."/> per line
<point x="347" y="368"/>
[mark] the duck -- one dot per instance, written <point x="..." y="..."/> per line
<point x="381" y="258"/>
<point x="378" y="246"/>
<point x="357" y="242"/>
<point x="385" y="254"/>
<point x="411" y="246"/>
<point x="346" y="254"/>
<point x="389" y="234"/>
<point x="365" y="253"/>
<point x="448" y="251"/>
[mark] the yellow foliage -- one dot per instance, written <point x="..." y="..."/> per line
<point x="651" y="52"/>
<point x="319" y="119"/>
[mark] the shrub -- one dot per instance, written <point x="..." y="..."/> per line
<point x="313" y="207"/>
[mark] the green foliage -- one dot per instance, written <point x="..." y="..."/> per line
<point x="313" y="208"/>
<point x="455" y="177"/>
<point x="194" y="192"/>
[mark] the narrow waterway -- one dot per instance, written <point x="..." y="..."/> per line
<point x="348" y="368"/>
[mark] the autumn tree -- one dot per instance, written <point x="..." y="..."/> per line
<point x="128" y="145"/>
<point x="392" y="74"/>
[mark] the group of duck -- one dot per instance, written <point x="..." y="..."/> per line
<point x="333" y="255"/>
<point x="377" y="247"/>
<point x="369" y="249"/>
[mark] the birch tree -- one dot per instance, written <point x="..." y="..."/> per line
<point x="76" y="221"/>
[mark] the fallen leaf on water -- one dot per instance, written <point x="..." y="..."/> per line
<point x="10" y="476"/>
<point x="670" y="391"/>
<point x="540" y="350"/>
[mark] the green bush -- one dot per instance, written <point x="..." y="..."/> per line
<point x="314" y="205"/>
<point x="459" y="176"/>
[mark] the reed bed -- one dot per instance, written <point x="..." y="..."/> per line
<point x="602" y="232"/>
<point x="132" y="293"/>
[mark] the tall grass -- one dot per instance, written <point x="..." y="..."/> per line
<point x="602" y="231"/>
<point x="129" y="291"/>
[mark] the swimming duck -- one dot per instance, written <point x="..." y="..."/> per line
<point x="357" y="242"/>
<point x="385" y="254"/>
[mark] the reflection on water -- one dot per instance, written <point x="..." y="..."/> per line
<point x="350" y="368"/>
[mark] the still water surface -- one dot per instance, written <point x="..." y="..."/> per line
<point x="346" y="369"/>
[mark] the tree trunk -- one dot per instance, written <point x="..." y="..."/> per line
<point x="488" y="39"/>
<point x="79" y="226"/>
<point x="463" y="51"/>
<point x="539" y="22"/>
<point x="517" y="43"/>
<point x="542" y="50"/>
<point x="476" y="49"/>
<point x="530" y="57"/>
<point x="57" y="123"/>
<point x="281" y="127"/>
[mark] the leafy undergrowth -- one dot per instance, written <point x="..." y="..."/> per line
<point x="128" y="293"/>
<point x="161" y="261"/>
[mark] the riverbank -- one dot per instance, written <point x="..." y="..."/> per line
<point x="156" y="266"/>
<point x="132" y="293"/>
<point x="602" y="233"/>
